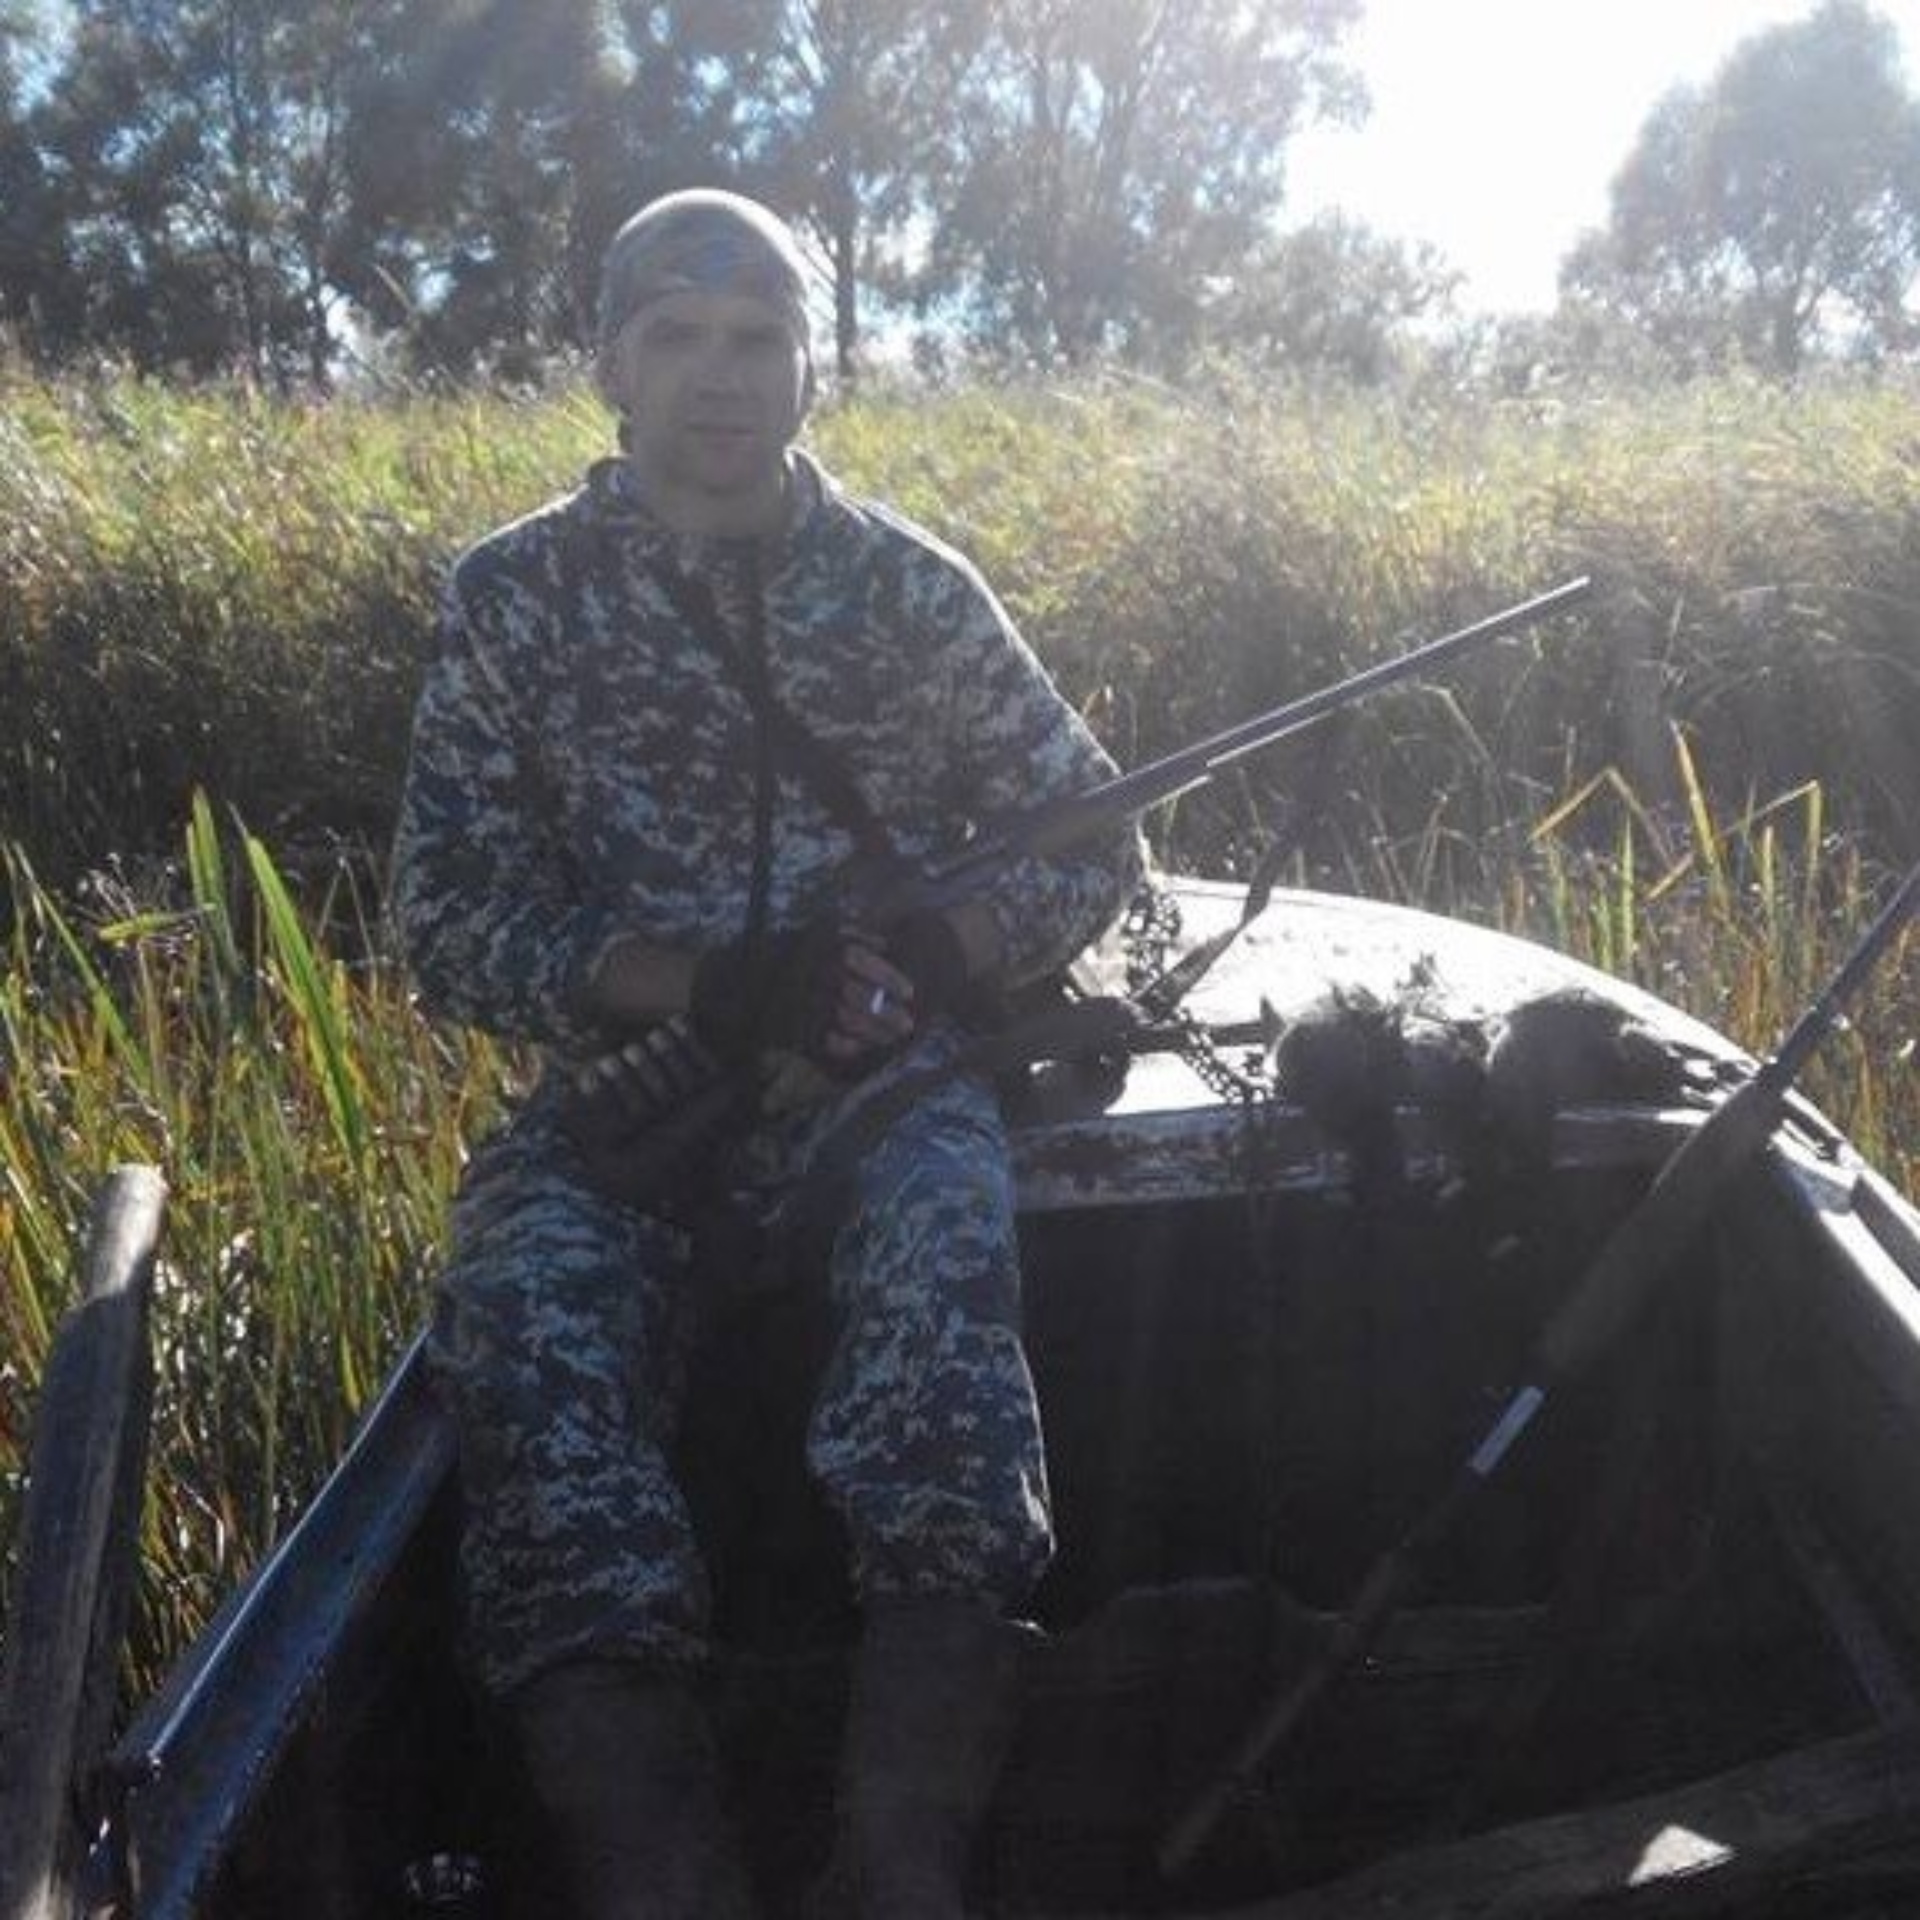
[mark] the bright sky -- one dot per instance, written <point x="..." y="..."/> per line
<point x="1497" y="125"/>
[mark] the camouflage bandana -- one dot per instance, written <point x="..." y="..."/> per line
<point x="702" y="241"/>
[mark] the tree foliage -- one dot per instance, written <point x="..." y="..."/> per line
<point x="278" y="186"/>
<point x="265" y="185"/>
<point x="1330" y="297"/>
<point x="192" y="153"/>
<point x="480" y="142"/>
<point x="1775" y="212"/>
<point x="861" y="98"/>
<point x="1118" y="156"/>
<point x="30" y="248"/>
<point x="205" y="185"/>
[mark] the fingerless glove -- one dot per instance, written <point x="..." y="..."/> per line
<point x="926" y="947"/>
<point x="779" y="992"/>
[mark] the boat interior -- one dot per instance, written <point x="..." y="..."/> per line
<point x="1661" y="1662"/>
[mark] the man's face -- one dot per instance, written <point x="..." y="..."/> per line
<point x="713" y="387"/>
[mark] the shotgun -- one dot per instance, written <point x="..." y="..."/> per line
<point x="641" y="1115"/>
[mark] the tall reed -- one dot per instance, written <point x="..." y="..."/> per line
<point x="203" y="589"/>
<point x="309" y="1123"/>
<point x="1740" y="921"/>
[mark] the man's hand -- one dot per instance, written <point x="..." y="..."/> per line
<point x="826" y="993"/>
<point x="930" y="950"/>
<point x="842" y="997"/>
<point x="873" y="1012"/>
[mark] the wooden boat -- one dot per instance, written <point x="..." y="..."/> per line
<point x="1668" y="1665"/>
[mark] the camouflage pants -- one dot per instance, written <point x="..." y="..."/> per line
<point x="562" y="1347"/>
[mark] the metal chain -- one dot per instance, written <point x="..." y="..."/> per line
<point x="1150" y="935"/>
<point x="1149" y="931"/>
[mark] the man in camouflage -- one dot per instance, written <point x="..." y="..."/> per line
<point x="608" y="834"/>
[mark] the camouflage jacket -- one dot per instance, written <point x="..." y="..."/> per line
<point x="583" y="764"/>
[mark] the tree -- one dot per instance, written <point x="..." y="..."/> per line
<point x="1119" y="155"/>
<point x="1331" y="297"/>
<point x="860" y="98"/>
<point x="196" y="149"/>
<point x="497" y="151"/>
<point x="1775" y="213"/>
<point x="33" y="281"/>
<point x="479" y="135"/>
<point x="217" y="184"/>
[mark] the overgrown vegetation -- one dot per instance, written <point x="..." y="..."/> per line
<point x="309" y="1124"/>
<point x="199" y="590"/>
<point x="203" y="589"/>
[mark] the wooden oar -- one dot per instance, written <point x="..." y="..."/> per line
<point x="1683" y="1196"/>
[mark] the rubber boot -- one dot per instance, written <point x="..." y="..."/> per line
<point x="624" y="1763"/>
<point x="928" y="1719"/>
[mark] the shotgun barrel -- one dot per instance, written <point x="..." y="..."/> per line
<point x="1058" y="826"/>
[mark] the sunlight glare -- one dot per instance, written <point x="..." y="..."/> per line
<point x="1497" y="125"/>
<point x="1674" y="1851"/>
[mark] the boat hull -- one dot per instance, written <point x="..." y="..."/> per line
<point x="1670" y="1664"/>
